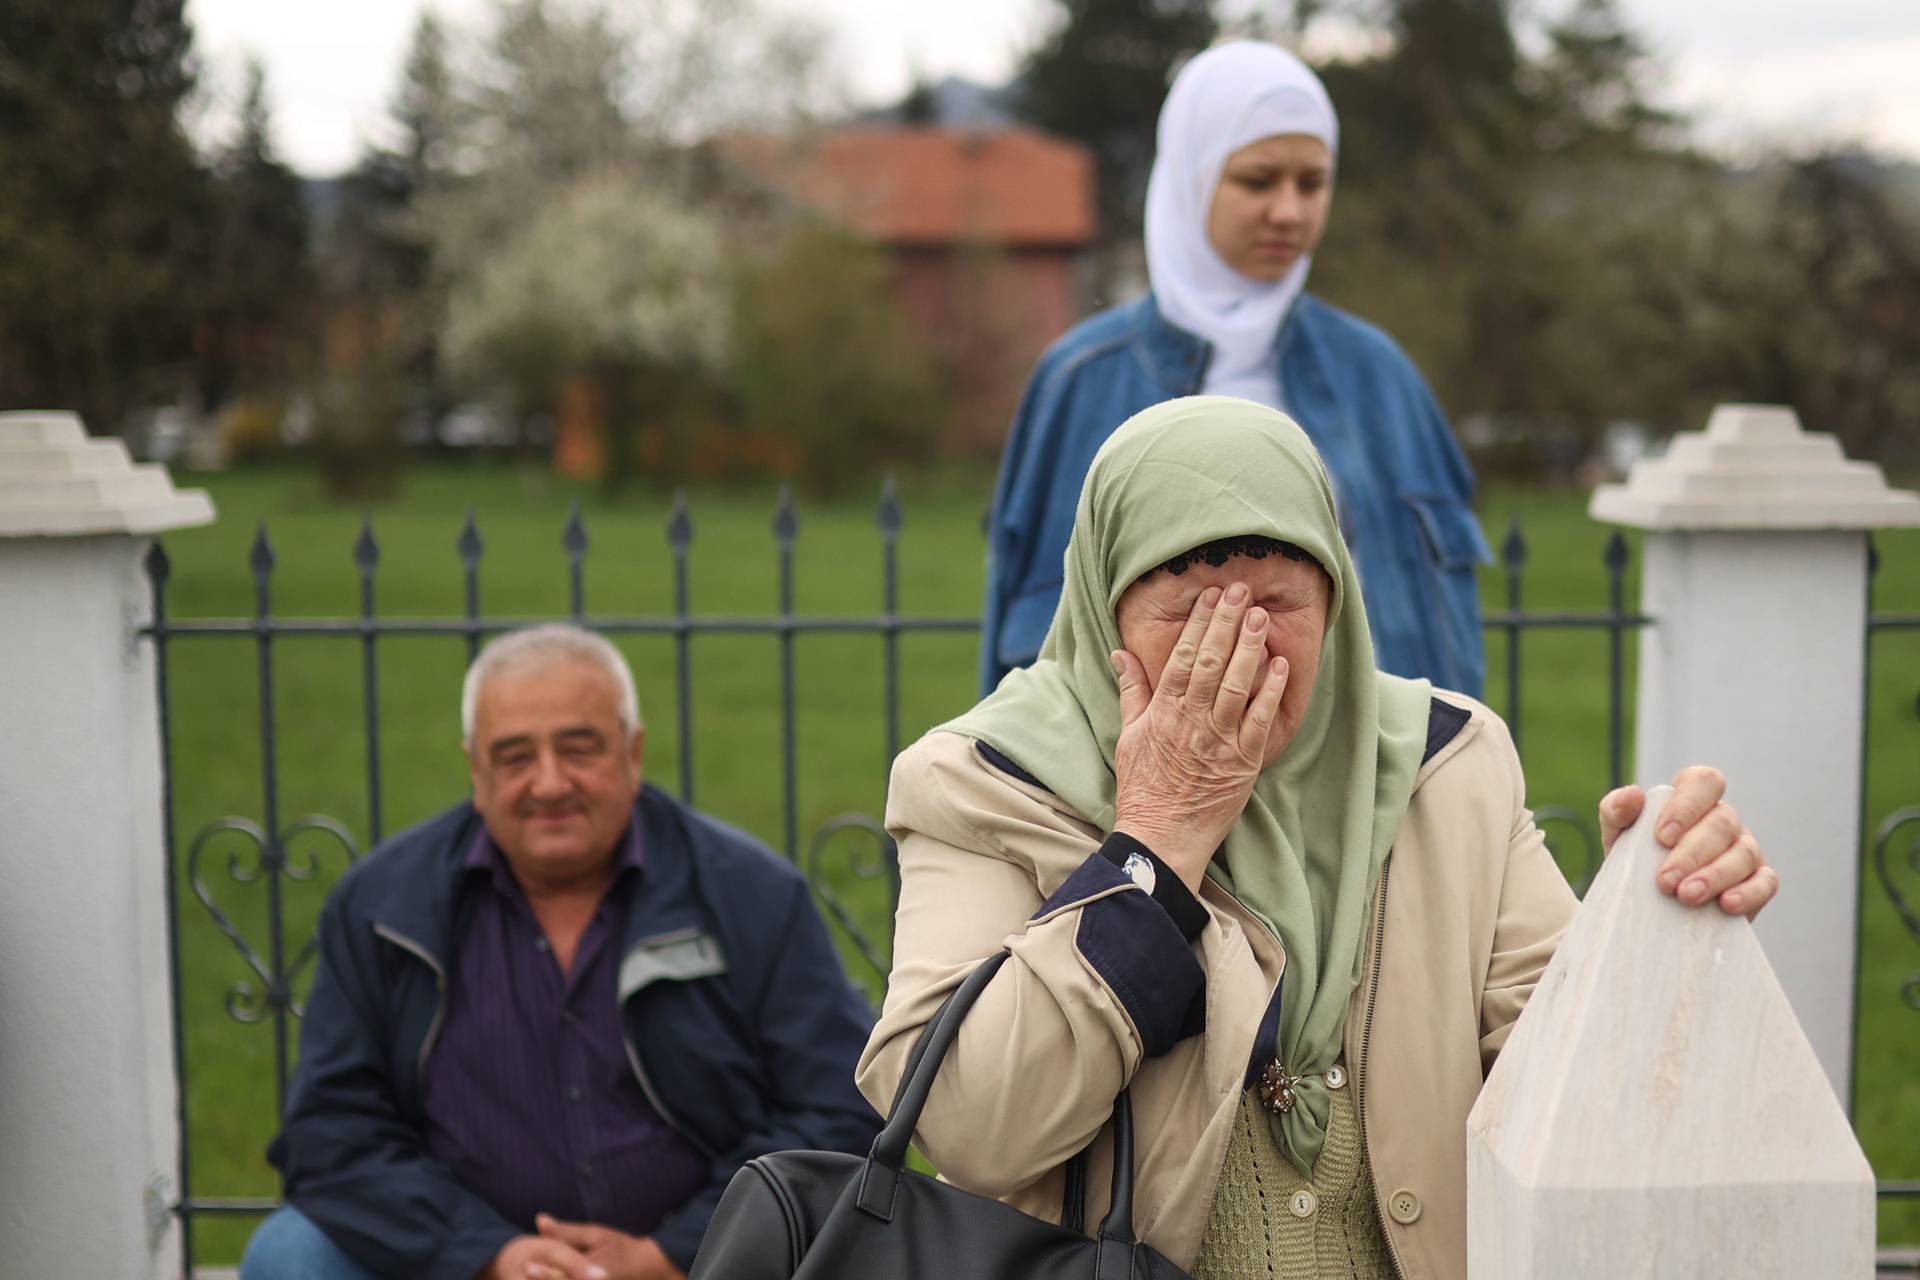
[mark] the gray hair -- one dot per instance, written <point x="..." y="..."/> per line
<point x="537" y="647"/>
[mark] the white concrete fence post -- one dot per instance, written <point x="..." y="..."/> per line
<point x="89" y="1129"/>
<point x="1755" y="573"/>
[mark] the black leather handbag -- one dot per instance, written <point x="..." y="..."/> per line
<point x="822" y="1215"/>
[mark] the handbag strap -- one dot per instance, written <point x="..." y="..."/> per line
<point x="889" y="1152"/>
<point x="910" y="1099"/>
<point x="1118" y="1224"/>
<point x="919" y="1053"/>
<point x="1073" y="1197"/>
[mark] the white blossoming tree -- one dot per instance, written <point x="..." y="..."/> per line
<point x="570" y="234"/>
<point x="609" y="281"/>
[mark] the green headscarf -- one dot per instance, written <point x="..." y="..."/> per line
<point x="1306" y="852"/>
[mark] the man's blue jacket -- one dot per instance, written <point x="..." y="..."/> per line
<point x="1403" y="488"/>
<point x="738" y="1020"/>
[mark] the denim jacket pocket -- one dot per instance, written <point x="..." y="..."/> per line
<point x="1450" y="531"/>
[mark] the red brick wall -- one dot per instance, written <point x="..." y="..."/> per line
<point x="988" y="314"/>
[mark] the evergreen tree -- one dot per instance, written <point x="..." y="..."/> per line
<point x="1479" y="207"/>
<point x="259" y="284"/>
<point x="377" y="250"/>
<point x="99" y="204"/>
<point x="426" y="108"/>
<point x="1591" y="86"/>
<point x="383" y="304"/>
<point x="1834" y="330"/>
<point x="919" y="106"/>
<point x="1100" y="78"/>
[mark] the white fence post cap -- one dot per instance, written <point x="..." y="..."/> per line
<point x="1755" y="468"/>
<point x="56" y="482"/>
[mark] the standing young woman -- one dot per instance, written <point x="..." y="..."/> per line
<point x="1239" y="197"/>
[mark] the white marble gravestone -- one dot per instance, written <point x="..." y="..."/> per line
<point x="1658" y="1112"/>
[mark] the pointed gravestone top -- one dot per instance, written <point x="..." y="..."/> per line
<point x="56" y="482"/>
<point x="1755" y="468"/>
<point x="1658" y="1112"/>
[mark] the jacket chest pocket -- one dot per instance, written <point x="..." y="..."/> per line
<point x="673" y="957"/>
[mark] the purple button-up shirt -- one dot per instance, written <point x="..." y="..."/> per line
<point x="530" y="1099"/>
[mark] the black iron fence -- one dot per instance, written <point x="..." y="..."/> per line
<point x="1896" y="866"/>
<point x="273" y="854"/>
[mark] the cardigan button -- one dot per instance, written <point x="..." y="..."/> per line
<point x="1303" y="1203"/>
<point x="1336" y="1077"/>
<point x="1405" y="1207"/>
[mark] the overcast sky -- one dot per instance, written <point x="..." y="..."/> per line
<point x="1751" y="71"/>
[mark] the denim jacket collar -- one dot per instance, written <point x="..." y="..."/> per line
<point x="1178" y="359"/>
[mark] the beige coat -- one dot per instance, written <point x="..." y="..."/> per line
<point x="1474" y="907"/>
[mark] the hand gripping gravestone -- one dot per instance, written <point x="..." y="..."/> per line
<point x="1658" y="1112"/>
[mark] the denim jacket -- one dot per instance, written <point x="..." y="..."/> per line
<point x="1402" y="486"/>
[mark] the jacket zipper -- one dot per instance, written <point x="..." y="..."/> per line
<point x="653" y="1095"/>
<point x="1360" y="1072"/>
<point x="439" y="985"/>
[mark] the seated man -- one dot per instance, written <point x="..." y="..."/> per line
<point x="550" y="1024"/>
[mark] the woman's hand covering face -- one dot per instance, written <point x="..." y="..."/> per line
<point x="1711" y="856"/>
<point x="1209" y="699"/>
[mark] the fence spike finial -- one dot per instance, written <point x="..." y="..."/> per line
<point x="366" y="550"/>
<point x="679" y="523"/>
<point x="260" y="555"/>
<point x="786" y="524"/>
<point x="159" y="567"/>
<point x="1616" y="554"/>
<point x="574" y="536"/>
<point x="890" y="518"/>
<point x="1513" y="549"/>
<point x="469" y="545"/>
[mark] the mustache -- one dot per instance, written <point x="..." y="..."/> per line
<point x="544" y="809"/>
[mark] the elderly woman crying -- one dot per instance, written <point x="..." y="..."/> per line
<point x="1293" y="903"/>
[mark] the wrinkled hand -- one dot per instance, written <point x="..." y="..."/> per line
<point x="618" y="1255"/>
<point x="1710" y="853"/>
<point x="535" y="1258"/>
<point x="1190" y="749"/>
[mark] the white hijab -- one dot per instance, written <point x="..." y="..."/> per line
<point x="1222" y="100"/>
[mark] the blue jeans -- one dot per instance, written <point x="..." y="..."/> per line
<point x="288" y="1247"/>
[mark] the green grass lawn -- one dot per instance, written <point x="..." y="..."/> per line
<point x="840" y="734"/>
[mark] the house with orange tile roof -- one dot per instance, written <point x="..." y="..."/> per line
<point x="987" y="231"/>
